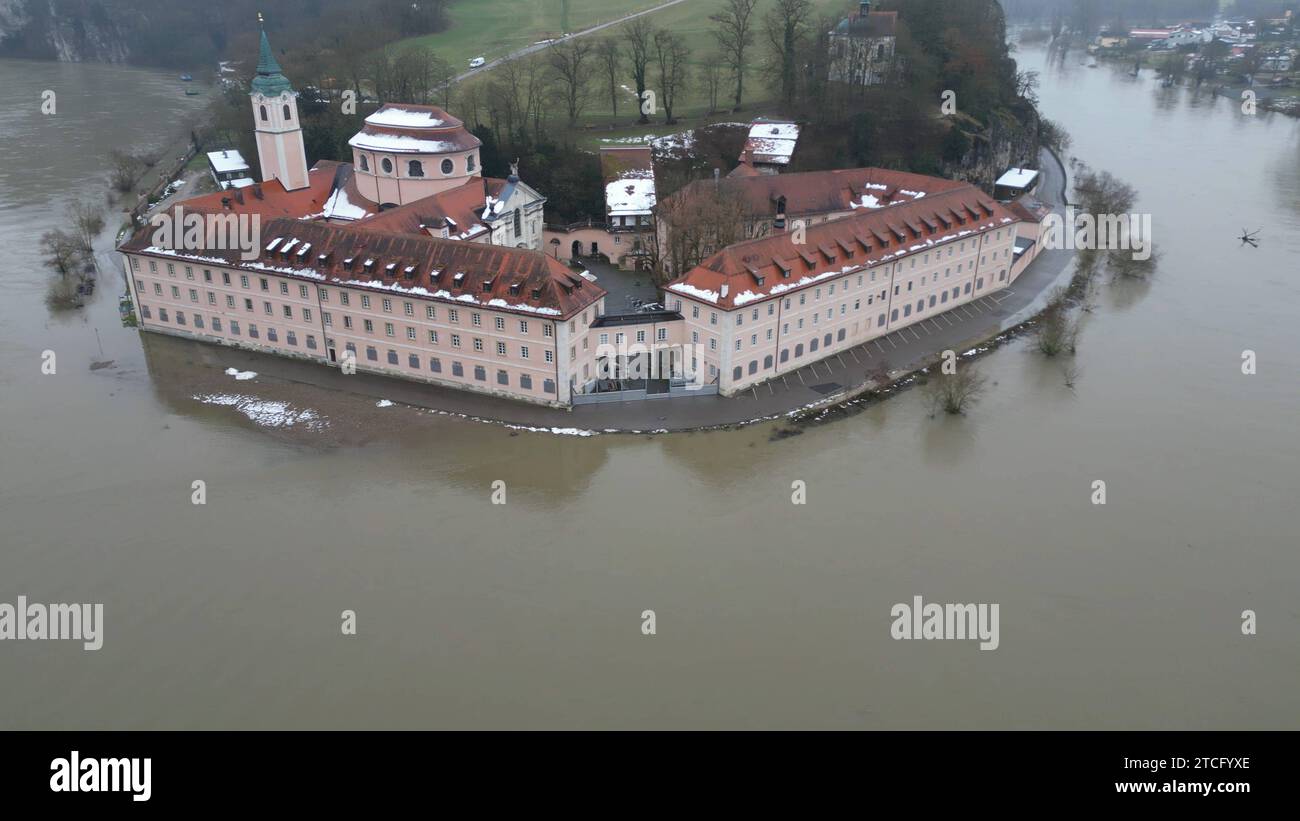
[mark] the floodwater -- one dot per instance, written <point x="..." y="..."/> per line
<point x="767" y="614"/>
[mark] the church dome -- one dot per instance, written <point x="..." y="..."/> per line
<point x="407" y="152"/>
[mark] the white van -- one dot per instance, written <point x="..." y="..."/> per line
<point x="476" y="62"/>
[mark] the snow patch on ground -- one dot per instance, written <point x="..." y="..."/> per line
<point x="265" y="412"/>
<point x="555" y="431"/>
<point x="242" y="376"/>
<point x="384" y="403"/>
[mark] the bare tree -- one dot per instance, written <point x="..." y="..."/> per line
<point x="610" y="60"/>
<point x="87" y="222"/>
<point x="953" y="392"/>
<point x="1057" y="331"/>
<point x="638" y="33"/>
<point x="64" y="253"/>
<point x="125" y="171"/>
<point x="670" y="58"/>
<point x="695" y="223"/>
<point x="711" y="74"/>
<point x="787" y="27"/>
<point x="569" y="60"/>
<point x="735" y="34"/>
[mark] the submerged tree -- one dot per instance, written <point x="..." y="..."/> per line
<point x="953" y="392"/>
<point x="1057" y="330"/>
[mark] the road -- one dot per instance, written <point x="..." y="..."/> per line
<point x="536" y="47"/>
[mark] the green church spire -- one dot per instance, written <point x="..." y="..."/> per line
<point x="269" y="80"/>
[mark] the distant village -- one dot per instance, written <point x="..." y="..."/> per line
<point x="1236" y="53"/>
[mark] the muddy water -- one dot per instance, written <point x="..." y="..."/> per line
<point x="528" y="614"/>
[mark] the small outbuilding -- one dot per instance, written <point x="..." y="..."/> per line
<point x="1015" y="183"/>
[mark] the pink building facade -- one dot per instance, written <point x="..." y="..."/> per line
<point x="501" y="321"/>
<point x="766" y="307"/>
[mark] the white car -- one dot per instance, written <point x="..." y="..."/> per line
<point x="476" y="62"/>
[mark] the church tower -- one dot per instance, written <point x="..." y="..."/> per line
<point x="275" y="118"/>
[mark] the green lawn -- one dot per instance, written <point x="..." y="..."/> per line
<point x="492" y="28"/>
<point x="691" y="21"/>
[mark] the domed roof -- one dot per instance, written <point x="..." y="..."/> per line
<point x="400" y="128"/>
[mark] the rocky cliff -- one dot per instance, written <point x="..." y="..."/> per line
<point x="70" y="30"/>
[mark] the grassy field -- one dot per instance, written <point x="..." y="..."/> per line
<point x="492" y="28"/>
<point x="689" y="19"/>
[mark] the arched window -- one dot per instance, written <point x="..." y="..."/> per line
<point x="415" y="168"/>
<point x="262" y="108"/>
<point x="753" y="367"/>
<point x="767" y="362"/>
<point x="812" y="346"/>
<point x="469" y="163"/>
<point x="365" y="164"/>
<point x="736" y="374"/>
<point x="387" y="165"/>
<point x="798" y="350"/>
<point x="447" y="167"/>
<point x="288" y="115"/>
<point x="827" y="340"/>
<point x="785" y="355"/>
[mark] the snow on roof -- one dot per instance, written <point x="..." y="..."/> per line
<point x="396" y="143"/>
<point x="771" y="142"/>
<point x="237" y="182"/>
<point x="338" y="206"/>
<point x="226" y="161"/>
<point x="1018" y="177"/>
<point x="631" y="195"/>
<point x="690" y="290"/>
<point x="398" y="117"/>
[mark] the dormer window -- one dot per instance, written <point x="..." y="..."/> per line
<point x="409" y="271"/>
<point x="487" y="286"/>
<point x="514" y="289"/>
<point x="365" y="164"/>
<point x="458" y="279"/>
<point x="387" y="165"/>
<point x="263" y="112"/>
<point x="368" y="265"/>
<point x="415" y="168"/>
<point x="347" y="263"/>
<point x="287" y="114"/>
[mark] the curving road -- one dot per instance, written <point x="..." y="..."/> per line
<point x="536" y="47"/>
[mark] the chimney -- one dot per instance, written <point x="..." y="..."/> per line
<point x="779" y="222"/>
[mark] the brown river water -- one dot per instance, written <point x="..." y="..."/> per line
<point x="768" y="614"/>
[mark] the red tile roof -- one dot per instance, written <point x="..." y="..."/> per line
<point x="462" y="205"/>
<point x="464" y="273"/>
<point x="271" y="200"/>
<point x="764" y="268"/>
